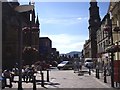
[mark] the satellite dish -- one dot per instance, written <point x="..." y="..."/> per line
<point x="24" y="8"/>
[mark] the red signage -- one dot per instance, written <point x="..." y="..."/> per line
<point x="117" y="71"/>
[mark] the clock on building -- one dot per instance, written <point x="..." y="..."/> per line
<point x="95" y="20"/>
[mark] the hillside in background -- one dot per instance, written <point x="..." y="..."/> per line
<point x="73" y="52"/>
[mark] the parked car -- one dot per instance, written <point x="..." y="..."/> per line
<point x="65" y="65"/>
<point x="88" y="63"/>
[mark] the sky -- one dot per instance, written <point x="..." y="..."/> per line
<point x="66" y="23"/>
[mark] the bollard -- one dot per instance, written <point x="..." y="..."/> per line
<point x="116" y="84"/>
<point x="42" y="78"/>
<point x="89" y="71"/>
<point x="47" y="75"/>
<point x="20" y="84"/>
<point x="34" y="83"/>
<point x="98" y="74"/>
<point x="10" y="83"/>
<point x="5" y="81"/>
<point x="105" y="80"/>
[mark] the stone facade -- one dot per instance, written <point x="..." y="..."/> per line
<point x="45" y="47"/>
<point x="114" y="10"/>
<point x="103" y="40"/>
<point x="12" y="22"/>
<point x="87" y="49"/>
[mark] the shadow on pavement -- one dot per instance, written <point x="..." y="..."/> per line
<point x="48" y="83"/>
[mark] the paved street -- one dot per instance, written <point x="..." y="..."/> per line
<point x="65" y="79"/>
<point x="68" y="79"/>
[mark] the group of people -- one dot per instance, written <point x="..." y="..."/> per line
<point x="27" y="73"/>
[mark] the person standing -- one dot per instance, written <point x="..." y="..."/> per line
<point x="75" y="66"/>
<point x="7" y="75"/>
<point x="80" y="65"/>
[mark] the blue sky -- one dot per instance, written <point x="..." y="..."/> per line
<point x="66" y="23"/>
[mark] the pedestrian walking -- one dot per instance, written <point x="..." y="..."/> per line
<point x="23" y="74"/>
<point x="80" y="66"/>
<point x="75" y="66"/>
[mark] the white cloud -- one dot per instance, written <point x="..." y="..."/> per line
<point x="86" y="18"/>
<point x="79" y="18"/>
<point x="65" y="21"/>
<point x="66" y="43"/>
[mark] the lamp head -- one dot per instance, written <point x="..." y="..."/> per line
<point x="24" y="8"/>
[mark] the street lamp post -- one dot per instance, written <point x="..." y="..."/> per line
<point x="20" y="56"/>
<point x="112" y="55"/>
<point x="108" y="29"/>
<point x="20" y="9"/>
<point x="110" y="35"/>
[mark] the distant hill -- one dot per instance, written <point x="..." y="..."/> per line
<point x="73" y="52"/>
